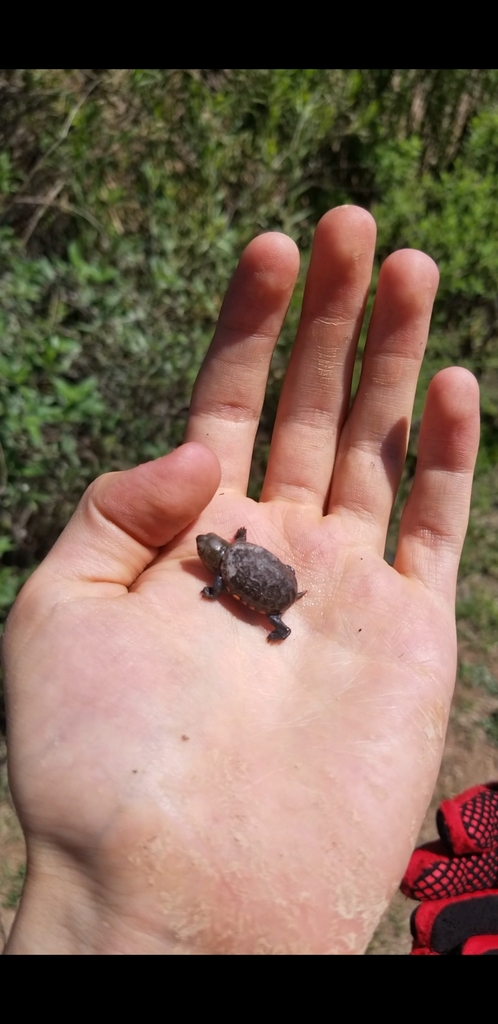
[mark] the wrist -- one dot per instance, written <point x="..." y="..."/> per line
<point x="63" y="912"/>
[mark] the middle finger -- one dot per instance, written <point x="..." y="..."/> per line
<point x="316" y="392"/>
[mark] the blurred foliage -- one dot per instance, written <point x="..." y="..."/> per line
<point x="12" y="887"/>
<point x="126" y="197"/>
<point x="490" y="726"/>
<point x="479" y="676"/>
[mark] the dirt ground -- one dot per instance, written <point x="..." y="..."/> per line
<point x="12" y="854"/>
<point x="469" y="758"/>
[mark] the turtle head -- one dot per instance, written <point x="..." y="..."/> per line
<point x="211" y="549"/>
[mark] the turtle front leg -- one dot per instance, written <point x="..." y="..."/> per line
<point x="281" y="630"/>
<point x="214" y="591"/>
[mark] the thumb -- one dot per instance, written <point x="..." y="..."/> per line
<point x="124" y="518"/>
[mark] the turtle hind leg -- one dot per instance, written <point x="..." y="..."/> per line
<point x="281" y="631"/>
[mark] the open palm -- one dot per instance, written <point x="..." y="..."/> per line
<point x="185" y="786"/>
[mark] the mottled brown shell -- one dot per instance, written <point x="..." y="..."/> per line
<point x="258" y="578"/>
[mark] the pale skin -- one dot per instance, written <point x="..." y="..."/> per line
<point x="184" y="786"/>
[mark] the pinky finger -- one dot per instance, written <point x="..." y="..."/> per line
<point x="436" y="515"/>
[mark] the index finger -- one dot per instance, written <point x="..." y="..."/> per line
<point x="229" y="392"/>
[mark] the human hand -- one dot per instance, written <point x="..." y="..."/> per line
<point x="183" y="785"/>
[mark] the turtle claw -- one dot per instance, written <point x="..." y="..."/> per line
<point x="214" y="591"/>
<point x="280" y="632"/>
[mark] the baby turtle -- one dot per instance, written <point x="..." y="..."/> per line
<point x="251" y="574"/>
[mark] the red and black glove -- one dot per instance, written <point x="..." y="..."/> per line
<point x="456" y="879"/>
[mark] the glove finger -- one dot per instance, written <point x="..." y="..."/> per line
<point x="433" y="875"/>
<point x="481" y="945"/>
<point x="445" y="926"/>
<point x="469" y="821"/>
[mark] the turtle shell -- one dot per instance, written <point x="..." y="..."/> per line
<point x="258" y="578"/>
